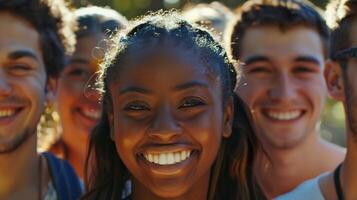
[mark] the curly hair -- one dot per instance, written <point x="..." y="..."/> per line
<point x="341" y="16"/>
<point x="54" y="22"/>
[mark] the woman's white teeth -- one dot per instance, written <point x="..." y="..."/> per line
<point x="288" y="115"/>
<point x="167" y="158"/>
<point x="94" y="114"/>
<point x="7" y="112"/>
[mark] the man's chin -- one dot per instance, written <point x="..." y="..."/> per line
<point x="282" y="142"/>
<point x="15" y="143"/>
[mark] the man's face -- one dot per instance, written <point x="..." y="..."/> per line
<point x="282" y="83"/>
<point x="22" y="81"/>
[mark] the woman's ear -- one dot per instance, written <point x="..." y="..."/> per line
<point x="51" y="89"/>
<point x="334" y="80"/>
<point x="228" y="118"/>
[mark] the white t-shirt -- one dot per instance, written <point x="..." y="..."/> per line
<point x="51" y="192"/>
<point x="308" y="190"/>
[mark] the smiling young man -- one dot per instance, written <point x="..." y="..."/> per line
<point x="33" y="38"/>
<point x="342" y="85"/>
<point x="282" y="46"/>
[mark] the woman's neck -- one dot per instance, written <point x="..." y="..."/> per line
<point x="75" y="153"/>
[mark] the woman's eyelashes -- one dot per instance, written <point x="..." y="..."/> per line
<point x="77" y="73"/>
<point x="136" y="106"/>
<point x="186" y="103"/>
<point x="191" y="102"/>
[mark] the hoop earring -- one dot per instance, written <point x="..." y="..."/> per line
<point x="48" y="130"/>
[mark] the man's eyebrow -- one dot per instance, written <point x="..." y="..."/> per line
<point x="22" y="53"/>
<point x="191" y="84"/>
<point x="307" y="59"/>
<point x="134" y="89"/>
<point x="253" y="59"/>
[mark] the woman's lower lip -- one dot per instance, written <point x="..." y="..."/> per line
<point x="84" y="119"/>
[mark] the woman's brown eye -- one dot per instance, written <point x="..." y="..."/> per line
<point x="136" y="107"/>
<point x="192" y="103"/>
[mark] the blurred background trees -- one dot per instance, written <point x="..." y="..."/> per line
<point x="132" y="8"/>
<point x="333" y="121"/>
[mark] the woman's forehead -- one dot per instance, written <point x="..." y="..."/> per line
<point x="165" y="58"/>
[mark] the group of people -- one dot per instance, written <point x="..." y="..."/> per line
<point x="206" y="103"/>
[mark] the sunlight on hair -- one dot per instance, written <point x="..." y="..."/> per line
<point x="335" y="11"/>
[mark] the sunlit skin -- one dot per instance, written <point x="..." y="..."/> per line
<point x="168" y="104"/>
<point x="282" y="83"/>
<point x="343" y="87"/>
<point x="281" y="74"/>
<point x="77" y="99"/>
<point x="23" y="83"/>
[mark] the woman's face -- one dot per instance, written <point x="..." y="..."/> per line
<point x="79" y="106"/>
<point x="167" y="121"/>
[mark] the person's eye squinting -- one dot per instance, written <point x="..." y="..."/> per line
<point x="258" y="69"/>
<point x="304" y="69"/>
<point x="19" y="69"/>
<point x="77" y="73"/>
<point x="192" y="102"/>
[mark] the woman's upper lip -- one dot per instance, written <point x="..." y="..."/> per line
<point x="155" y="148"/>
<point x="91" y="106"/>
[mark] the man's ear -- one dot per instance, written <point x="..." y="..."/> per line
<point x="228" y="118"/>
<point x="334" y="80"/>
<point x="51" y="89"/>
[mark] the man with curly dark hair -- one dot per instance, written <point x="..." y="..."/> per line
<point x="35" y="36"/>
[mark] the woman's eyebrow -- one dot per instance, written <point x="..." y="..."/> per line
<point x="191" y="84"/>
<point x="78" y="60"/>
<point x="134" y="89"/>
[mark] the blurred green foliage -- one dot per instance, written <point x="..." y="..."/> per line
<point x="133" y="8"/>
<point x="332" y="123"/>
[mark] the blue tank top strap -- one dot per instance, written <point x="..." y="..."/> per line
<point x="64" y="178"/>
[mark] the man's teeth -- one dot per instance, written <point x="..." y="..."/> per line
<point x="7" y="113"/>
<point x="289" y="115"/>
<point x="167" y="158"/>
<point x="94" y="114"/>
